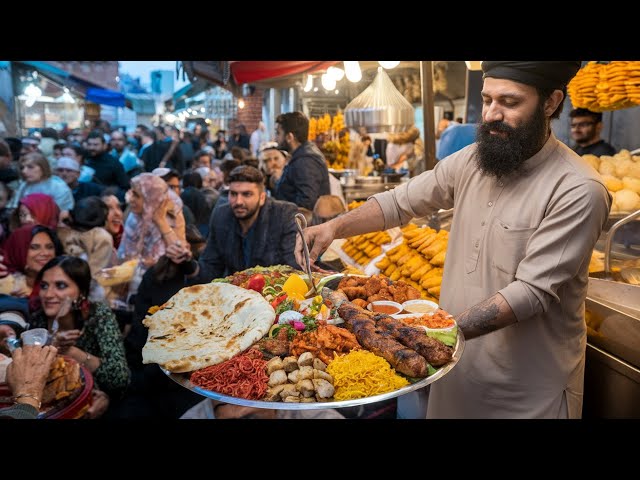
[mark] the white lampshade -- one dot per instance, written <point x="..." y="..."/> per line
<point x="352" y="71"/>
<point x="389" y="65"/>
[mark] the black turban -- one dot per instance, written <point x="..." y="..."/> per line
<point x="547" y="75"/>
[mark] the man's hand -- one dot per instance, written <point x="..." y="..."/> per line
<point x="28" y="371"/>
<point x="179" y="253"/>
<point x="318" y="238"/>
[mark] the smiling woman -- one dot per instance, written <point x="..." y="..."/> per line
<point x="85" y="331"/>
<point x="25" y="252"/>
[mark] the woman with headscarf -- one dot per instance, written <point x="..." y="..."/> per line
<point x="24" y="253"/>
<point x="36" y="209"/>
<point x="154" y="222"/>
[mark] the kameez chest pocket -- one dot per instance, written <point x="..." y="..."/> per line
<point x="507" y="245"/>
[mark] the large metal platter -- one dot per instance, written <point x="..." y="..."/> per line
<point x="183" y="379"/>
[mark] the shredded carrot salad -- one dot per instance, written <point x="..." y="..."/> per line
<point x="242" y="376"/>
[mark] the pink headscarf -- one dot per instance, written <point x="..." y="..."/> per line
<point x="141" y="236"/>
<point x="43" y="209"/>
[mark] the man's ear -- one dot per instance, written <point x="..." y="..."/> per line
<point x="263" y="197"/>
<point x="553" y="102"/>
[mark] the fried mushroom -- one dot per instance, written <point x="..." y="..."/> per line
<point x="274" y="364"/>
<point x="278" y="377"/>
<point x="289" y="364"/>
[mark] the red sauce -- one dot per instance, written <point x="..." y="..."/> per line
<point x="388" y="309"/>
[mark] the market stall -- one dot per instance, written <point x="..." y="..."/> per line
<point x="612" y="374"/>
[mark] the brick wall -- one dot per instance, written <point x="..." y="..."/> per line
<point x="251" y="114"/>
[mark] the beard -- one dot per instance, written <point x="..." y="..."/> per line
<point x="284" y="145"/>
<point x="247" y="212"/>
<point x="505" y="156"/>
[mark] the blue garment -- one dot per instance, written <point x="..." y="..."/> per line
<point x="128" y="159"/>
<point x="455" y="137"/>
<point x="86" y="174"/>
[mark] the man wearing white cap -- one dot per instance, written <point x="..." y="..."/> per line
<point x="68" y="170"/>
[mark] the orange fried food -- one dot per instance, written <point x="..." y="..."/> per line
<point x="383" y="294"/>
<point x="324" y="341"/>
<point x="354" y="292"/>
<point x="360" y="302"/>
<point x="375" y="284"/>
<point x="352" y="282"/>
<point x="402" y="292"/>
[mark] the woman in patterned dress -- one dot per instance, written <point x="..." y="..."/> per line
<point x="86" y="331"/>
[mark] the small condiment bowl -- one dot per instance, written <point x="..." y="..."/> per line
<point x="385" y="306"/>
<point x="420" y="307"/>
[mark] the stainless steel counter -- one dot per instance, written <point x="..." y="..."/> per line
<point x="362" y="192"/>
<point x="612" y="372"/>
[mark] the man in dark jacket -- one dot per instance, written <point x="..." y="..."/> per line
<point x="252" y="229"/>
<point x="109" y="171"/>
<point x="306" y="176"/>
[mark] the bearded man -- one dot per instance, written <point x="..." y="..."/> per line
<point x="528" y="212"/>
<point x="252" y="229"/>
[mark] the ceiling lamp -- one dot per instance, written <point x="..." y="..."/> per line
<point x="328" y="82"/>
<point x="389" y="65"/>
<point x="353" y="72"/>
<point x="336" y="73"/>
<point x="309" y="85"/>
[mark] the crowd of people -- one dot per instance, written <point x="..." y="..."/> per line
<point x="182" y="208"/>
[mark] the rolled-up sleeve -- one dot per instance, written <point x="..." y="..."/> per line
<point x="555" y="253"/>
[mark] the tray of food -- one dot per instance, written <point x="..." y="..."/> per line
<point x="67" y="393"/>
<point x="260" y="339"/>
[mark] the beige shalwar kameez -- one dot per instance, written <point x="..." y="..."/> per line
<point x="529" y="238"/>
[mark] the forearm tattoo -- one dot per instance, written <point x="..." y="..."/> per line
<point x="486" y="317"/>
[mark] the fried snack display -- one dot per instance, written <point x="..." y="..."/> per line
<point x="419" y="260"/>
<point x="377" y="287"/>
<point x="621" y="175"/>
<point x="601" y="87"/>
<point x="362" y="248"/>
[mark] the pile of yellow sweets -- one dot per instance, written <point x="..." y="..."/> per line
<point x="362" y="248"/>
<point x="419" y="260"/>
<point x="600" y="87"/>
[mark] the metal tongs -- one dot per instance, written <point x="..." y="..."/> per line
<point x="301" y="224"/>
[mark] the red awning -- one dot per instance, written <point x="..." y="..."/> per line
<point x="247" y="72"/>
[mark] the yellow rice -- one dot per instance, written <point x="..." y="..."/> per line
<point x="361" y="374"/>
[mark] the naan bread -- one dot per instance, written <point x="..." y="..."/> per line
<point x="205" y="325"/>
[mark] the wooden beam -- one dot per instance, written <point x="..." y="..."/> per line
<point x="426" y="74"/>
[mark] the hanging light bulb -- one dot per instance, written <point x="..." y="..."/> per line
<point x="309" y="85"/>
<point x="389" y="65"/>
<point x="353" y="72"/>
<point x="336" y="73"/>
<point x="241" y="103"/>
<point x="328" y="82"/>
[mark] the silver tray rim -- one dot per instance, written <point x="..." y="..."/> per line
<point x="183" y="380"/>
